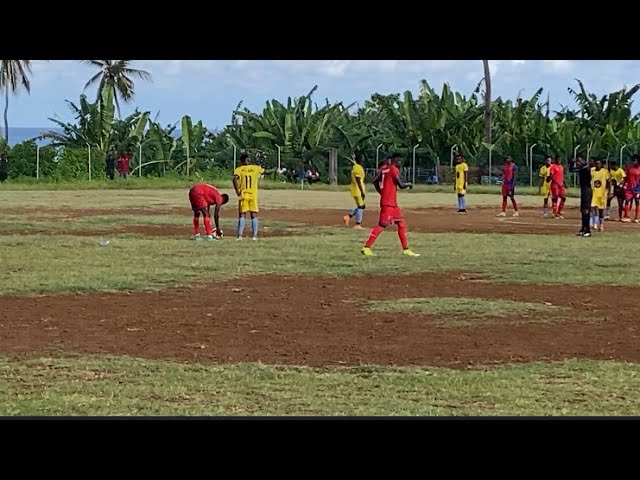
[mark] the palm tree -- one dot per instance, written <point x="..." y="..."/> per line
<point x="116" y="74"/>
<point x="13" y="75"/>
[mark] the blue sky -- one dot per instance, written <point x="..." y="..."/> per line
<point x="209" y="90"/>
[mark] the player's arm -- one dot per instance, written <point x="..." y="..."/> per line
<point x="236" y="183"/>
<point x="360" y="185"/>
<point x="466" y="178"/>
<point x="216" y="218"/>
<point x="401" y="185"/>
<point x="376" y="183"/>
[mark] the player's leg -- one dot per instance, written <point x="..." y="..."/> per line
<point x="359" y="214"/>
<point x="628" y="198"/>
<point x="592" y="216"/>
<point x="402" y="235"/>
<point x="463" y="202"/>
<point x="208" y="227"/>
<point x="601" y="215"/>
<point x="253" y="211"/>
<point x="505" y="194"/>
<point x="514" y="204"/>
<point x="637" y="202"/>
<point x="196" y="225"/>
<point x="563" y="198"/>
<point x="383" y="222"/>
<point x="607" y="210"/>
<point x="242" y="212"/>
<point x="352" y="213"/>
<point x="620" y="200"/>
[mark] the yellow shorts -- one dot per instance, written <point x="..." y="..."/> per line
<point x="358" y="199"/>
<point x="460" y="190"/>
<point x="248" y="205"/>
<point x="599" y="202"/>
<point x="545" y="192"/>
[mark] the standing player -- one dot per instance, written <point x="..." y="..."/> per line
<point x="631" y="186"/>
<point x="460" y="185"/>
<point x="201" y="197"/>
<point x="387" y="182"/>
<point x="357" y="193"/>
<point x="586" y="194"/>
<point x="545" y="188"/>
<point x="245" y="183"/>
<point x="617" y="175"/>
<point x="509" y="173"/>
<point x="558" y="187"/>
<point x="600" y="187"/>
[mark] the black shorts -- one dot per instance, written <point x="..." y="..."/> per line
<point x="586" y="195"/>
<point x="618" y="192"/>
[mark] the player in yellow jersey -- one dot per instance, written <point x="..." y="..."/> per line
<point x="461" y="180"/>
<point x="357" y="191"/>
<point x="617" y="179"/>
<point x="245" y="182"/>
<point x="600" y="188"/>
<point x="545" y="187"/>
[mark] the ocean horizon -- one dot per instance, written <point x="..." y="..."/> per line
<point x="21" y="134"/>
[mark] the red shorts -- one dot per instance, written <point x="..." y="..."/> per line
<point x="198" y="200"/>
<point x="558" y="191"/>
<point x="508" y="191"/>
<point x="390" y="215"/>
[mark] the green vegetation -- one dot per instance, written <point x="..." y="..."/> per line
<point x="462" y="311"/>
<point x="125" y="386"/>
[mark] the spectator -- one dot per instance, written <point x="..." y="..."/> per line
<point x="123" y="165"/>
<point x="110" y="163"/>
<point x="3" y="166"/>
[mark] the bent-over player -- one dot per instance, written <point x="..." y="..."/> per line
<point x="201" y="197"/>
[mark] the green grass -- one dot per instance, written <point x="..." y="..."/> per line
<point x="461" y="311"/>
<point x="42" y="263"/>
<point x="125" y="386"/>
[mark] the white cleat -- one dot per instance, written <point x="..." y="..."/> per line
<point x="239" y="239"/>
<point x="516" y="214"/>
<point x="501" y="214"/>
<point x="254" y="238"/>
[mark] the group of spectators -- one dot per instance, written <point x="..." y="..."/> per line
<point x="302" y="173"/>
<point x="3" y="167"/>
<point x="122" y="161"/>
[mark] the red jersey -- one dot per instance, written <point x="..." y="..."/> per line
<point x="556" y="172"/>
<point x="388" y="175"/>
<point x="509" y="173"/>
<point x="123" y="163"/>
<point x="633" y="177"/>
<point x="208" y="192"/>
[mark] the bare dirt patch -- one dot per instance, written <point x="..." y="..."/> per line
<point x="320" y="322"/>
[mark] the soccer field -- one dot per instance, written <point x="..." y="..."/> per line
<point x="498" y="316"/>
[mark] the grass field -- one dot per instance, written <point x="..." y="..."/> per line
<point x="496" y="317"/>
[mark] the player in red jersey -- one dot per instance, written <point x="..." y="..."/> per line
<point x="632" y="189"/>
<point x="509" y="172"/>
<point x="201" y="197"/>
<point x="387" y="182"/>
<point x="558" y="187"/>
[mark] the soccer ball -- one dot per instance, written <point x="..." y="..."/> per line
<point x="215" y="234"/>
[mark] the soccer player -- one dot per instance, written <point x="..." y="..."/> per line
<point x="586" y="194"/>
<point x="558" y="187"/>
<point x="201" y="197"/>
<point x="357" y="191"/>
<point x="600" y="187"/>
<point x="509" y="173"/>
<point x="245" y="183"/>
<point x="631" y="187"/>
<point x="460" y="185"/>
<point x="617" y="175"/>
<point x="545" y="188"/>
<point x="386" y="183"/>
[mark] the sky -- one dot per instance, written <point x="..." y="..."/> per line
<point x="209" y="90"/>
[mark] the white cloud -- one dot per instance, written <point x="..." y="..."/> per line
<point x="557" y="66"/>
<point x="334" y="68"/>
<point x="516" y="63"/>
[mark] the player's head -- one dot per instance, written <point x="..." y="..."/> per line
<point x="395" y="159"/>
<point x="597" y="163"/>
<point x="359" y="159"/>
<point x="244" y="159"/>
<point x="387" y="160"/>
<point x="613" y="165"/>
<point x="225" y="199"/>
<point x="509" y="159"/>
<point x="547" y="160"/>
<point x="556" y="159"/>
<point x="579" y="161"/>
<point x="458" y="158"/>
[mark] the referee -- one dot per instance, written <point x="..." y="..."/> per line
<point x="584" y="179"/>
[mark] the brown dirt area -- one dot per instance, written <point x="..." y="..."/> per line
<point x="424" y="220"/>
<point x="320" y="322"/>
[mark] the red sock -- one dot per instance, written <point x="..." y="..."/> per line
<point x="627" y="207"/>
<point x="207" y="226"/>
<point x="504" y="205"/>
<point x="554" y="207"/>
<point x="562" y="200"/>
<point x="374" y="236"/>
<point x="196" y="225"/>
<point x="515" y="205"/>
<point x="402" y="234"/>
<point x="637" y="211"/>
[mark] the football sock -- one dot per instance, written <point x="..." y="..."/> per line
<point x="402" y="234"/>
<point x="561" y="205"/>
<point x="353" y="212"/>
<point x="373" y="236"/>
<point x="600" y="216"/>
<point x="592" y="221"/>
<point x="207" y="226"/>
<point x="463" y="203"/>
<point x="637" y="210"/>
<point x="515" y="205"/>
<point x="196" y="225"/>
<point x="359" y="215"/>
<point x="554" y="207"/>
<point x="241" y="221"/>
<point x="459" y="203"/>
<point x="504" y="205"/>
<point x="254" y="226"/>
<point x="585" y="223"/>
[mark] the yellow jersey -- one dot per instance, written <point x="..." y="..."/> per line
<point x="544" y="172"/>
<point x="599" y="179"/>
<point x="356" y="172"/>
<point x="618" y="175"/>
<point x="461" y="168"/>
<point x="248" y="176"/>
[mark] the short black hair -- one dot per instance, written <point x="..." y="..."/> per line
<point x="359" y="158"/>
<point x="244" y="157"/>
<point x="395" y="156"/>
<point x="225" y="198"/>
<point x="613" y="162"/>
<point x="635" y="157"/>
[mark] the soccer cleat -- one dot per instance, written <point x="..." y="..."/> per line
<point x="558" y="217"/>
<point x="410" y="253"/>
<point x="626" y="220"/>
<point x="198" y="238"/>
<point x="254" y="238"/>
<point x="580" y="233"/>
<point x="516" y="214"/>
<point x="586" y="235"/>
<point x="607" y="217"/>
<point x="636" y="220"/>
<point x="209" y="238"/>
<point x="346" y="220"/>
<point x="238" y="239"/>
<point x="501" y="214"/>
<point x="367" y="252"/>
<point x="358" y="227"/>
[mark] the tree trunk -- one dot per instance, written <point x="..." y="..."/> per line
<point x="487" y="101"/>
<point x="6" y="113"/>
